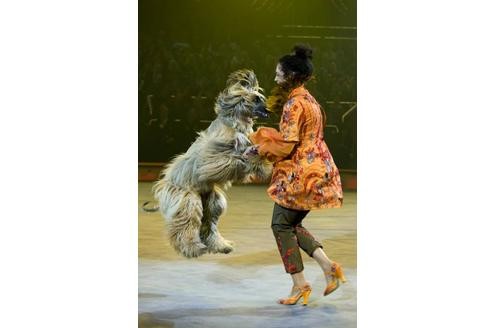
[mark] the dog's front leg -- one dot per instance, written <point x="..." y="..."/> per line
<point x="214" y="204"/>
<point x="220" y="162"/>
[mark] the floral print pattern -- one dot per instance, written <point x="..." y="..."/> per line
<point x="290" y="264"/>
<point x="308" y="178"/>
<point x="290" y="235"/>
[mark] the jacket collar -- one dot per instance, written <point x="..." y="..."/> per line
<point x="301" y="90"/>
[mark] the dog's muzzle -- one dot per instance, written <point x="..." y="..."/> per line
<point x="260" y="111"/>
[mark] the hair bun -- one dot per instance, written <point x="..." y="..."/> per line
<point x="303" y="51"/>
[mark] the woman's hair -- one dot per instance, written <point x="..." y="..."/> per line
<point x="277" y="98"/>
<point x="297" y="67"/>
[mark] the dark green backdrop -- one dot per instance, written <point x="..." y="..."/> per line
<point x="187" y="48"/>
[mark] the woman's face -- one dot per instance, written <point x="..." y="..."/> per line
<point x="279" y="75"/>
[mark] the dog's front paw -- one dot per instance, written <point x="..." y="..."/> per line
<point x="251" y="152"/>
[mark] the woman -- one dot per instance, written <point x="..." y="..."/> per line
<point x="305" y="176"/>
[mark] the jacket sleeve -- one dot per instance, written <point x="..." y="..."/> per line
<point x="277" y="145"/>
<point x="292" y="120"/>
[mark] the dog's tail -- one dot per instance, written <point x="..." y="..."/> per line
<point x="146" y="208"/>
<point x="183" y="211"/>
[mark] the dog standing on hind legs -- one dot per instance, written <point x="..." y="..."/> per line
<point x="191" y="188"/>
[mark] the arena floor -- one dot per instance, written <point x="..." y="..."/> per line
<point x="240" y="289"/>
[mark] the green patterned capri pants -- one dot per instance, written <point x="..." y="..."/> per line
<point x="290" y="235"/>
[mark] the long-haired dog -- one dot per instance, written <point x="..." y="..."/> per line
<point x="191" y="188"/>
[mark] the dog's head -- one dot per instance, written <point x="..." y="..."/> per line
<point x="241" y="101"/>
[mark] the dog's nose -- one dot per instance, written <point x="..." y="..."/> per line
<point x="261" y="111"/>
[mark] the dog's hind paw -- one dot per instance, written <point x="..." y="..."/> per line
<point x="222" y="246"/>
<point x="226" y="249"/>
<point x="194" y="250"/>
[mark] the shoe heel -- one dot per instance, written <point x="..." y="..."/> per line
<point x="306" y="297"/>
<point x="340" y="275"/>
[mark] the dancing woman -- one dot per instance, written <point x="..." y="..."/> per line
<point x="304" y="177"/>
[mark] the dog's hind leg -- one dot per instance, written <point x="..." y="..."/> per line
<point x="214" y="204"/>
<point x="185" y="211"/>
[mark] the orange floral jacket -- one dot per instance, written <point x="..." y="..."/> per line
<point x="305" y="176"/>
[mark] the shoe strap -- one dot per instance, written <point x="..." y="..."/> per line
<point x="333" y="269"/>
<point x="304" y="288"/>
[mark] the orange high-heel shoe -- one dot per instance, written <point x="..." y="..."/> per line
<point x="303" y="292"/>
<point x="337" y="276"/>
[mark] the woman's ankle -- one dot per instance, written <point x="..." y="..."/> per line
<point x="301" y="285"/>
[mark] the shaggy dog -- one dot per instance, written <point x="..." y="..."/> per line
<point x="191" y="188"/>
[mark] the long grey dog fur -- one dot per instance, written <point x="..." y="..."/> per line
<point x="191" y="189"/>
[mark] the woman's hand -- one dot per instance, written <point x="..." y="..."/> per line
<point x="250" y="152"/>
